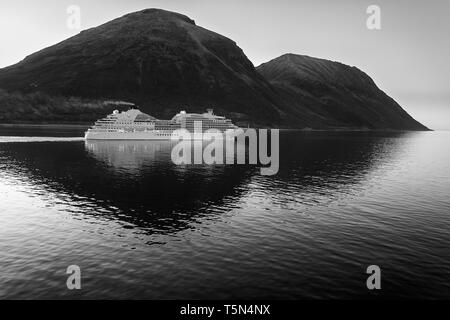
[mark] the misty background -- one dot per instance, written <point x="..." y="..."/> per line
<point x="408" y="58"/>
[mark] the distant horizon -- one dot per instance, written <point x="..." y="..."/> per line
<point x="407" y="58"/>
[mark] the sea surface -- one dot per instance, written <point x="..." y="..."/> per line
<point x="139" y="226"/>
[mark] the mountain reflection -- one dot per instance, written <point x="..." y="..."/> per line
<point x="136" y="182"/>
<point x="133" y="181"/>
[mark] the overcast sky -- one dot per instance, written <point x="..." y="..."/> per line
<point x="408" y="57"/>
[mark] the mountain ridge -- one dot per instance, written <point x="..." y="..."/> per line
<point x="163" y="62"/>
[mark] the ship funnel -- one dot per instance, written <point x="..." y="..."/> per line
<point x="210" y="111"/>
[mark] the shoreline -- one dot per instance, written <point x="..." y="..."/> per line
<point x="48" y="125"/>
<point x="82" y="125"/>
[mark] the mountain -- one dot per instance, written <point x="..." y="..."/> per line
<point x="163" y="62"/>
<point x="160" y="60"/>
<point x="333" y="94"/>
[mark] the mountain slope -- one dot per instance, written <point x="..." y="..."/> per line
<point x="163" y="62"/>
<point x="333" y="94"/>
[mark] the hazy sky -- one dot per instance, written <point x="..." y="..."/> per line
<point x="409" y="58"/>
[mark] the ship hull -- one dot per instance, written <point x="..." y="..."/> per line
<point x="145" y="135"/>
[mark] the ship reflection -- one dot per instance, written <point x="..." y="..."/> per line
<point x="133" y="155"/>
<point x="129" y="155"/>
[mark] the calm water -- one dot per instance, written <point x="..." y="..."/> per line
<point x="142" y="227"/>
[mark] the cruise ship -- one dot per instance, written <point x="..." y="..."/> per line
<point x="136" y="125"/>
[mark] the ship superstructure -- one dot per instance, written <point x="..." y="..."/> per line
<point x="136" y="125"/>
